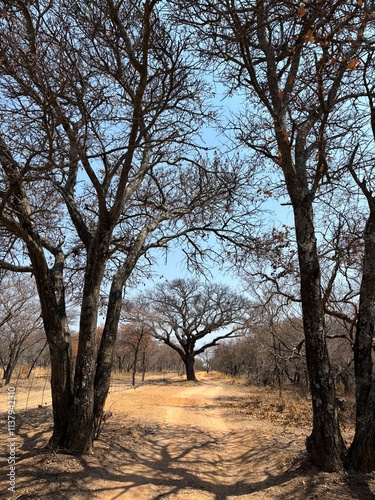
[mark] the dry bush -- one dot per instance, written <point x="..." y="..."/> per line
<point x="289" y="407"/>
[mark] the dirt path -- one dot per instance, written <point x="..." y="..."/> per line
<point x="197" y="449"/>
<point x="176" y="440"/>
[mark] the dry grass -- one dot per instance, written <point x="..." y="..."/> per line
<point x="288" y="407"/>
<point x="37" y="378"/>
<point x="268" y="404"/>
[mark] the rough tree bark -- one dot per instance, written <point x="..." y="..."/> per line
<point x="325" y="445"/>
<point x="189" y="360"/>
<point x="361" y="455"/>
<point x="362" y="450"/>
<point x="81" y="428"/>
<point x="51" y="292"/>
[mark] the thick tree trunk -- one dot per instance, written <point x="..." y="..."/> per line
<point x="50" y="287"/>
<point x="61" y="389"/>
<point x="325" y="445"/>
<point x="189" y="361"/>
<point x="58" y="336"/>
<point x="51" y="294"/>
<point x="361" y="455"/>
<point x="81" y="428"/>
<point x="362" y="451"/>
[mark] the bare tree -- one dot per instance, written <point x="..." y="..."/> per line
<point x="164" y="359"/>
<point x="190" y="316"/>
<point x="21" y="324"/>
<point x="297" y="64"/>
<point x="101" y="104"/>
<point x="134" y="344"/>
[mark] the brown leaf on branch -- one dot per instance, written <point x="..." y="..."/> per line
<point x="354" y="64"/>
<point x="309" y="36"/>
<point x="302" y="11"/>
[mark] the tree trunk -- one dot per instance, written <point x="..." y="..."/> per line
<point x="361" y="455"/>
<point x="144" y="366"/>
<point x="61" y="389"/>
<point x="325" y="445"/>
<point x="51" y="294"/>
<point x="135" y="359"/>
<point x="107" y="344"/>
<point x="35" y="360"/>
<point x="13" y="358"/>
<point x="362" y="451"/>
<point x="189" y="361"/>
<point x="8" y="372"/>
<point x="81" y="428"/>
<point x="120" y="363"/>
<point x="105" y="355"/>
<point x="50" y="287"/>
<point x="134" y="371"/>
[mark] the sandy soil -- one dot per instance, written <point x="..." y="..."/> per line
<point x="170" y="440"/>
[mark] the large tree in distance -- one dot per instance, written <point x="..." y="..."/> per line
<point x="100" y="106"/>
<point x="297" y="63"/>
<point x="191" y="316"/>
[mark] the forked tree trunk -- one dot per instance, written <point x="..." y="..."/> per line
<point x="93" y="366"/>
<point x="35" y="360"/>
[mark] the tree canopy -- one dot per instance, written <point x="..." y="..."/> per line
<point x="101" y="164"/>
<point x="191" y="316"/>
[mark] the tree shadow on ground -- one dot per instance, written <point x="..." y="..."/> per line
<point x="164" y="462"/>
